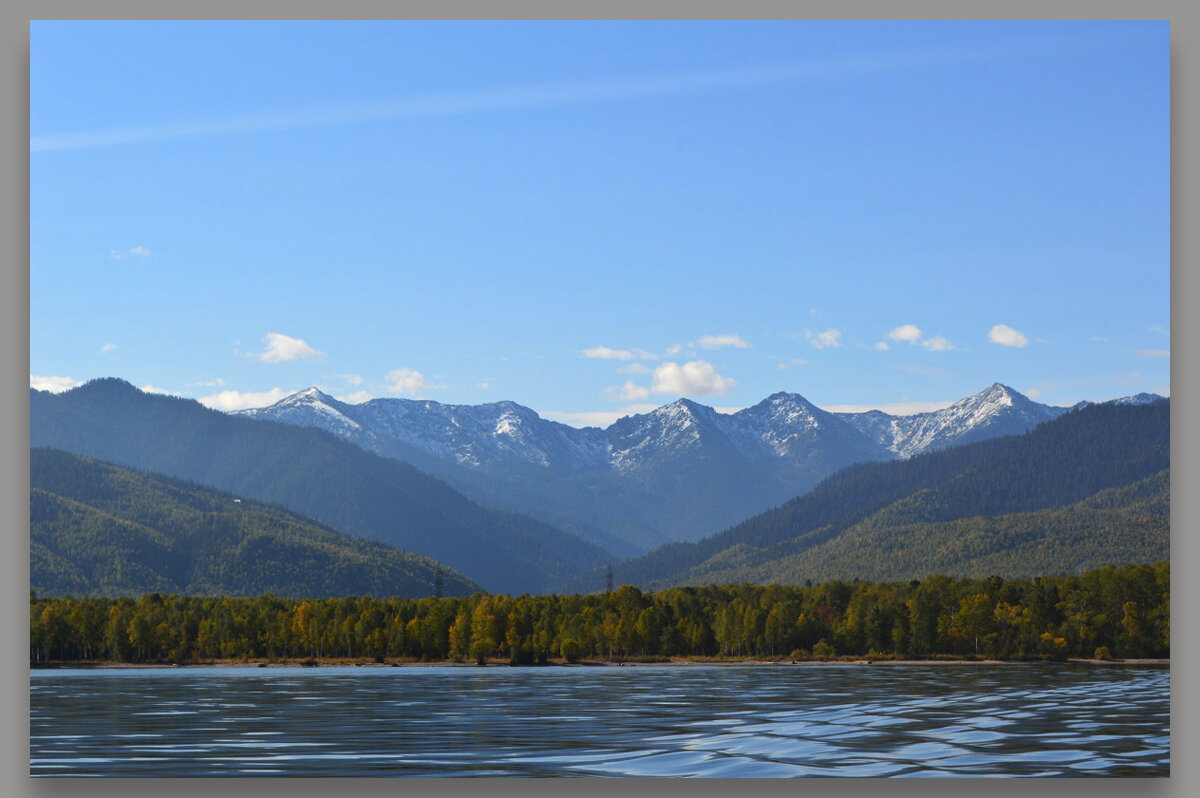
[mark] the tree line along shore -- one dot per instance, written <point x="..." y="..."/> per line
<point x="1105" y="613"/>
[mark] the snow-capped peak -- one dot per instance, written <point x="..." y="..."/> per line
<point x="1138" y="399"/>
<point x="306" y="397"/>
<point x="996" y="394"/>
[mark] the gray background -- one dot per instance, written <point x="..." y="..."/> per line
<point x="14" y="397"/>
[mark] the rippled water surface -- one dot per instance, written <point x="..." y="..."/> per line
<point x="768" y="721"/>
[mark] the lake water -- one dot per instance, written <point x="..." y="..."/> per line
<point x="761" y="721"/>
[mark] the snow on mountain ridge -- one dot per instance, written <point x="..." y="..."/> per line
<point x="783" y="425"/>
<point x="996" y="410"/>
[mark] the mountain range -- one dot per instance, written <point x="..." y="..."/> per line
<point x="680" y="472"/>
<point x="311" y="472"/>
<point x="775" y="492"/>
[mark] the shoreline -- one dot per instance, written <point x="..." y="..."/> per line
<point x="677" y="662"/>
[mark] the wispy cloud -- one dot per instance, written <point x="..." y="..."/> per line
<point x="282" y="348"/>
<point x="1154" y="352"/>
<point x="104" y="350"/>
<point x="509" y="98"/>
<point x="824" y="340"/>
<point x="120" y="254"/>
<point x="1006" y="336"/>
<point x="937" y="344"/>
<point x="634" y="368"/>
<point x="796" y="361"/>
<point x="605" y="353"/>
<point x="719" y="341"/>
<point x="53" y="384"/>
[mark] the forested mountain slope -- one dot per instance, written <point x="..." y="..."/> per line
<point x="102" y="530"/>
<point x="1059" y="463"/>
<point x="312" y="472"/>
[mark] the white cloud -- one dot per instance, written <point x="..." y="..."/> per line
<point x="237" y="400"/>
<point x="629" y="392"/>
<point x="53" y="384"/>
<point x="891" y="408"/>
<point x="729" y="411"/>
<point x="909" y="333"/>
<point x="674" y="349"/>
<point x="353" y="379"/>
<point x="881" y="346"/>
<point x="634" y="368"/>
<point x="937" y="344"/>
<point x="719" y="341"/>
<point x="1158" y="328"/>
<point x="1154" y="352"/>
<point x="409" y="381"/>
<point x="140" y="252"/>
<point x="104" y="350"/>
<point x="116" y="254"/>
<point x="152" y="389"/>
<point x="218" y="382"/>
<point x="1006" y="336"/>
<point x="604" y="353"/>
<point x="485" y="386"/>
<point x="829" y="338"/>
<point x="796" y="361"/>
<point x="282" y="348"/>
<point x="694" y="378"/>
<point x="356" y="398"/>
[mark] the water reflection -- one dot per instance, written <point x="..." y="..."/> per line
<point x="644" y="721"/>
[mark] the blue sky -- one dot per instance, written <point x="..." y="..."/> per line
<point x="593" y="219"/>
